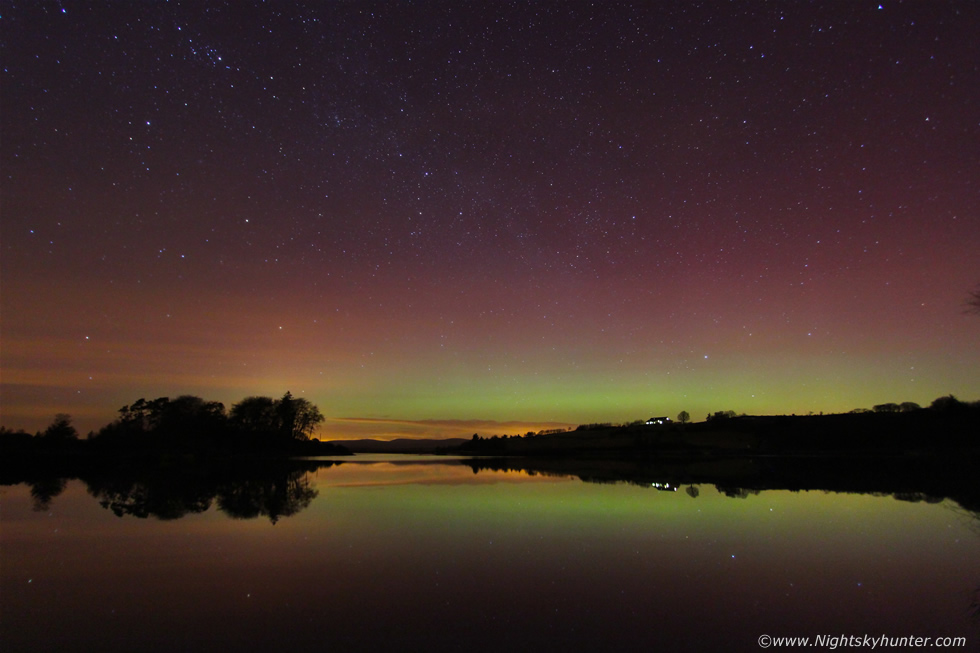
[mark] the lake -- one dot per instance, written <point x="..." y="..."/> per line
<point x="401" y="553"/>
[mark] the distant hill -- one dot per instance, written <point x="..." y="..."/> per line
<point x="401" y="445"/>
<point x="952" y="428"/>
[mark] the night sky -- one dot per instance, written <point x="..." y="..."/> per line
<point x="435" y="218"/>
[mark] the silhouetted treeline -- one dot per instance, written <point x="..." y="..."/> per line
<point x="188" y="425"/>
<point x="946" y="425"/>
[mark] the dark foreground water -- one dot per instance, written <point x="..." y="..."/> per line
<point x="409" y="554"/>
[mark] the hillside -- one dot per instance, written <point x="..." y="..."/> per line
<point x="920" y="431"/>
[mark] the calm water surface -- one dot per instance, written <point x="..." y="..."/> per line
<point x="412" y="554"/>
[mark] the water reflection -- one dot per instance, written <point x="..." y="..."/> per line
<point x="44" y="490"/>
<point x="282" y="496"/>
<point x="419" y="554"/>
<point x="271" y="490"/>
<point x="282" y="488"/>
<point x="162" y="496"/>
<point x="929" y="479"/>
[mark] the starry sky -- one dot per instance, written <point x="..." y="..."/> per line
<point x="440" y="218"/>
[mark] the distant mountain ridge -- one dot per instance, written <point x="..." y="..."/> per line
<point x="401" y="445"/>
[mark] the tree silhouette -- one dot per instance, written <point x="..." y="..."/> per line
<point x="60" y="431"/>
<point x="946" y="404"/>
<point x="254" y="415"/>
<point x="133" y="417"/>
<point x="284" y="420"/>
<point x="308" y="417"/>
<point x="189" y="419"/>
<point x="721" y="415"/>
<point x="683" y="417"/>
<point x="297" y="417"/>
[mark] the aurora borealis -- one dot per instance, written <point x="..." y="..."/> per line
<point x="436" y="218"/>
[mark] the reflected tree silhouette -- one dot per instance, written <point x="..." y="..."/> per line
<point x="282" y="496"/>
<point x="737" y="492"/>
<point x="161" y="496"/>
<point x="693" y="491"/>
<point x="44" y="490"/>
<point x="241" y="493"/>
<point x="968" y="517"/>
<point x="171" y="488"/>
